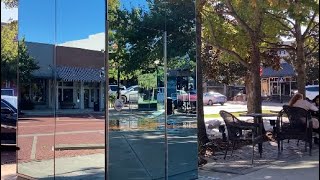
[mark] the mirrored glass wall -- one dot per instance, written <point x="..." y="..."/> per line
<point x="136" y="67"/>
<point x="130" y="117"/>
<point x="36" y="122"/>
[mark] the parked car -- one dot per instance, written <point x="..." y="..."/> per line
<point x="8" y="122"/>
<point x="211" y="98"/>
<point x="191" y="96"/>
<point x="12" y="100"/>
<point x="7" y="91"/>
<point x="130" y="94"/>
<point x="113" y="89"/>
<point x="312" y="91"/>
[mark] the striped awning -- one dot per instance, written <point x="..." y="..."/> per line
<point x="79" y="74"/>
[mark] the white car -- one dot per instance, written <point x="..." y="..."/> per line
<point x="312" y="91"/>
<point x="130" y="94"/>
<point x="211" y="98"/>
<point x="113" y="89"/>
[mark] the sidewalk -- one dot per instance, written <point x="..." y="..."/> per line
<point x="306" y="167"/>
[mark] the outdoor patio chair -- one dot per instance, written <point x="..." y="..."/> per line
<point x="299" y="127"/>
<point x="235" y="127"/>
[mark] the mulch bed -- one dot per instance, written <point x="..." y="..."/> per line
<point x="218" y="145"/>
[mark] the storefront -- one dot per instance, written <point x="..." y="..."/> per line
<point x="278" y="83"/>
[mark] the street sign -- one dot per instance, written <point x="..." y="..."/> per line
<point x="118" y="104"/>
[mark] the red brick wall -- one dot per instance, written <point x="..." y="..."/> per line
<point x="75" y="57"/>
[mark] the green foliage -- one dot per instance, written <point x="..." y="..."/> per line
<point x="225" y="72"/>
<point x="312" y="68"/>
<point x="224" y="31"/>
<point x="9" y="52"/>
<point x="26" y="64"/>
<point x="147" y="81"/>
<point x="139" y="33"/>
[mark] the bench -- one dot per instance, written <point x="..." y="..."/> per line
<point x="66" y="105"/>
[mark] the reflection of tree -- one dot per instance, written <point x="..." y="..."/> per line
<point x="26" y="64"/>
<point x="148" y="82"/>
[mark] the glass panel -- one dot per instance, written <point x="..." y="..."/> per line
<point x="137" y="128"/>
<point x="80" y="120"/>
<point x="181" y="88"/>
<point x="36" y="89"/>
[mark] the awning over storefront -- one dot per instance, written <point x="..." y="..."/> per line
<point x="79" y="74"/>
<point x="286" y="70"/>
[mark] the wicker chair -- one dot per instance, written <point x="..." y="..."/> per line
<point x="235" y="128"/>
<point x="299" y="126"/>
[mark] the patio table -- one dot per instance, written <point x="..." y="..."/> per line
<point x="258" y="118"/>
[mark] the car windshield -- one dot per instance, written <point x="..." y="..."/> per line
<point x="314" y="89"/>
<point x="131" y="88"/>
<point x="113" y="88"/>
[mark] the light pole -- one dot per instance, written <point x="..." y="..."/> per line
<point x="157" y="62"/>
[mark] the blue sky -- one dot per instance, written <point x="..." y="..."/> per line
<point x="76" y="19"/>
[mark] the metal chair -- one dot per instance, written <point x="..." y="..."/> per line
<point x="299" y="127"/>
<point x="235" y="128"/>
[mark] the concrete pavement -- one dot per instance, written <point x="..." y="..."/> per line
<point x="306" y="167"/>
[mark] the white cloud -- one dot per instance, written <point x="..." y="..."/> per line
<point x="7" y="14"/>
<point x="93" y="42"/>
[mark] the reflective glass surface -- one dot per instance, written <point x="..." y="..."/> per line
<point x="36" y="92"/>
<point x="127" y="111"/>
<point x="181" y="88"/>
<point x="80" y="113"/>
<point x="137" y="143"/>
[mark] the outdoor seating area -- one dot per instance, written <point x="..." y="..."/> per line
<point x="280" y="141"/>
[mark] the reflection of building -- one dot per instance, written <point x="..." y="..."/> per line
<point x="76" y="71"/>
<point x="278" y="83"/>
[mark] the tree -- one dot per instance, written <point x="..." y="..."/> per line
<point x="9" y="52"/>
<point x="14" y="56"/>
<point x="202" y="134"/>
<point x="293" y="16"/>
<point x="238" y="29"/>
<point x="229" y="72"/>
<point x="26" y="64"/>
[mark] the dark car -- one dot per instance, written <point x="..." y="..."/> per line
<point x="8" y="123"/>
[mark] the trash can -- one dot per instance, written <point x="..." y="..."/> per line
<point x="169" y="106"/>
<point x="96" y="106"/>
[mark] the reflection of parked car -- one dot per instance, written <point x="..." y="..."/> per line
<point x="312" y="91"/>
<point x="191" y="96"/>
<point x="8" y="92"/>
<point x="130" y="94"/>
<point x="211" y="98"/>
<point x="8" y="122"/>
<point x="113" y="89"/>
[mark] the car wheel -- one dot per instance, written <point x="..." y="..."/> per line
<point x="210" y="103"/>
<point x="222" y="103"/>
<point x="124" y="99"/>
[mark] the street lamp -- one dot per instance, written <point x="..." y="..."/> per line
<point x="157" y="62"/>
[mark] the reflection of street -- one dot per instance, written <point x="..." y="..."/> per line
<point x="36" y="136"/>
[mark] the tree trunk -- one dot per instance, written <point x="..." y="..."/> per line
<point x="249" y="92"/>
<point x="300" y="61"/>
<point x="255" y="102"/>
<point x="202" y="134"/>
